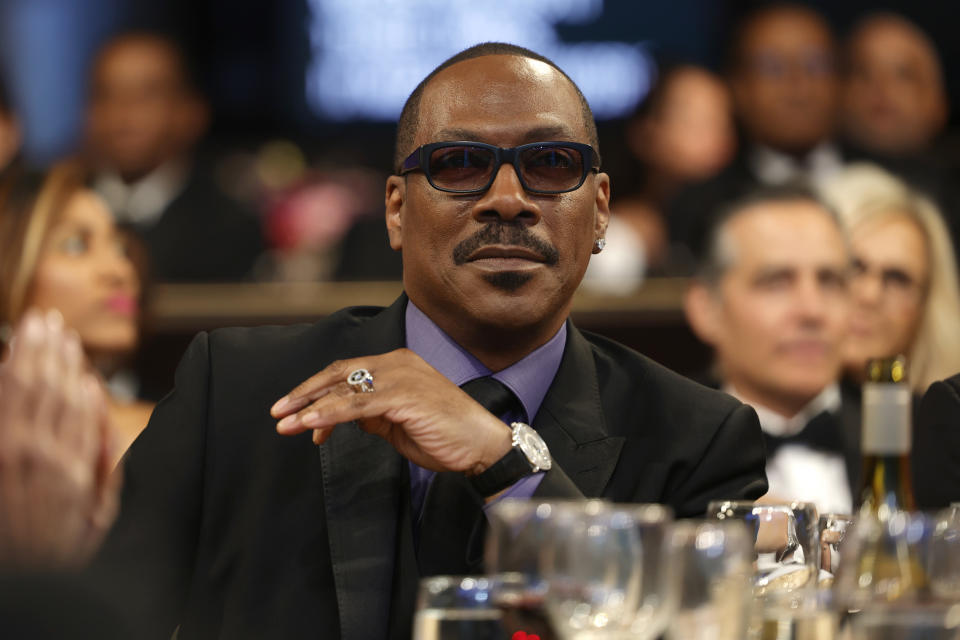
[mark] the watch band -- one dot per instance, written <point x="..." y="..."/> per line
<point x="502" y="474"/>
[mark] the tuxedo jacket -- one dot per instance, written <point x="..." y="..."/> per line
<point x="936" y="446"/>
<point x="230" y="530"/>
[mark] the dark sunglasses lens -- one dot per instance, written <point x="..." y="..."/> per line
<point x="461" y="168"/>
<point x="552" y="168"/>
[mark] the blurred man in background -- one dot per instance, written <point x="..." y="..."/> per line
<point x="681" y="133"/>
<point x="894" y="99"/>
<point x="144" y="121"/>
<point x="771" y="299"/>
<point x="783" y="77"/>
<point x="895" y="107"/>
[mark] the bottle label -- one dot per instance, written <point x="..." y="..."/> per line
<point x="886" y="419"/>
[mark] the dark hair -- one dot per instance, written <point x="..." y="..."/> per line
<point x="6" y="104"/>
<point x="409" y="116"/>
<point x="184" y="67"/>
<point x="713" y="259"/>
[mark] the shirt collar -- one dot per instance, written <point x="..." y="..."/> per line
<point x="529" y="378"/>
<point x="144" y="201"/>
<point x="776" y="424"/>
<point x="774" y="167"/>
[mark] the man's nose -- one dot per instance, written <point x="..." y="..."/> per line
<point x="811" y="302"/>
<point x="507" y="200"/>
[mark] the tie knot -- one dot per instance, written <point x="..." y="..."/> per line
<point x="494" y="396"/>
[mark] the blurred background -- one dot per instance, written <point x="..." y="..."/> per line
<point x="246" y="142"/>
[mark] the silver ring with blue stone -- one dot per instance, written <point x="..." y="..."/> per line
<point x="361" y="380"/>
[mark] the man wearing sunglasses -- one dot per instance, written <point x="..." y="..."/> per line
<point x="471" y="387"/>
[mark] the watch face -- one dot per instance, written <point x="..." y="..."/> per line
<point x="532" y="446"/>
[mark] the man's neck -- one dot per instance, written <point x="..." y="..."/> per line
<point x="784" y="419"/>
<point x="784" y="405"/>
<point x="496" y="347"/>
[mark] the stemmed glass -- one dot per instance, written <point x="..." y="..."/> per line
<point x="786" y="541"/>
<point x="601" y="567"/>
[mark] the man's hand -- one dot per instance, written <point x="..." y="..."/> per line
<point x="57" y="494"/>
<point x="427" y="418"/>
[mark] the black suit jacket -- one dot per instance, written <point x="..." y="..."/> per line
<point x="202" y="235"/>
<point x="232" y="531"/>
<point x="936" y="446"/>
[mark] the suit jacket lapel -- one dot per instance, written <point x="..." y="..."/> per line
<point x="364" y="501"/>
<point x="571" y="420"/>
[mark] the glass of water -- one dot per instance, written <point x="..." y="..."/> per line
<point x="711" y="580"/>
<point x="457" y="608"/>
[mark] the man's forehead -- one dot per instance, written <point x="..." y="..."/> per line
<point x="500" y="95"/>
<point x="798" y="233"/>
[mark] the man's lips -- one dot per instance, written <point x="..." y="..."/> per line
<point x="805" y="348"/>
<point x="508" y="253"/>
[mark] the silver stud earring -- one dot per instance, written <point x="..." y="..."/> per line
<point x="599" y="244"/>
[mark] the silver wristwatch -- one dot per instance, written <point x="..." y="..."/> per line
<point x="528" y="455"/>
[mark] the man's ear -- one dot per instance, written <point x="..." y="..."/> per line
<point x="602" y="216"/>
<point x="701" y="306"/>
<point x="394" y="200"/>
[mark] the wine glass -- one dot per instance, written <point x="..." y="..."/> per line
<point x="711" y="580"/>
<point x="943" y="565"/>
<point x="456" y="608"/>
<point x="786" y="541"/>
<point x="608" y="572"/>
<point x="519" y="555"/>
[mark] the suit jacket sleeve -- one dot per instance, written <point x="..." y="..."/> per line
<point x="936" y="444"/>
<point x="148" y="556"/>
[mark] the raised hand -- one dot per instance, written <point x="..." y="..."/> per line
<point x="57" y="494"/>
<point x="427" y="418"/>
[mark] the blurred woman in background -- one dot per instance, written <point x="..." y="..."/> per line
<point x="60" y="249"/>
<point x="681" y="133"/>
<point x="905" y="294"/>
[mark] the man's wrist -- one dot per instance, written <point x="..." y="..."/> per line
<point x="499" y="445"/>
<point x="528" y="454"/>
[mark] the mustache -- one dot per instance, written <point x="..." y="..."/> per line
<point x="505" y="233"/>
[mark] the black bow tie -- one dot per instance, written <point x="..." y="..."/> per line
<point x="822" y="433"/>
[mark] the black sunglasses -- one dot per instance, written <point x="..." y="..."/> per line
<point x="471" y="167"/>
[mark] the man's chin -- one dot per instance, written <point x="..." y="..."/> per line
<point x="508" y="281"/>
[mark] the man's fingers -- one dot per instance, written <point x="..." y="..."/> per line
<point x="305" y="418"/>
<point x="314" y="387"/>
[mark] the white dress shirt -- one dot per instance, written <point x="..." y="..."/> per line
<point x="797" y="472"/>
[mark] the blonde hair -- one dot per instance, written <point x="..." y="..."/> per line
<point x="31" y="203"/>
<point x="864" y="193"/>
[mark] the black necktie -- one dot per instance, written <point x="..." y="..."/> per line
<point x="452" y="525"/>
<point x="822" y="433"/>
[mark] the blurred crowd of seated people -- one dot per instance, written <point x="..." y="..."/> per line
<point x="805" y="106"/>
<point x="805" y="261"/>
<point x="793" y="102"/>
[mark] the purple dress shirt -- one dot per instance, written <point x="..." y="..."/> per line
<point x="528" y="378"/>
